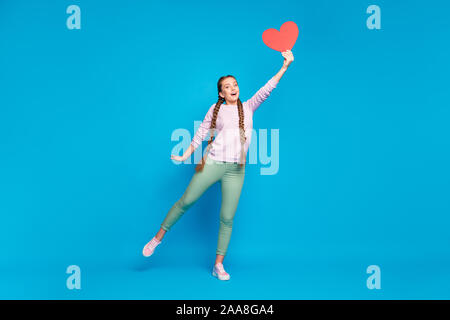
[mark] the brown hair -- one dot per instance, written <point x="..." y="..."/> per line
<point x="219" y="102"/>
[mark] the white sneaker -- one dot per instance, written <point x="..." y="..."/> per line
<point x="150" y="247"/>
<point x="220" y="273"/>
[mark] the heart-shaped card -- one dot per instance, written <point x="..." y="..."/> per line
<point x="281" y="40"/>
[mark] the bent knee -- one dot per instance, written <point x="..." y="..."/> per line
<point x="226" y="221"/>
<point x="185" y="203"/>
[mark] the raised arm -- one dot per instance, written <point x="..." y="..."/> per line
<point x="288" y="58"/>
<point x="263" y="93"/>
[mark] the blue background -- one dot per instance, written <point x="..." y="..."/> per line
<point x="86" y="178"/>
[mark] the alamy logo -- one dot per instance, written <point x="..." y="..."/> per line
<point x="257" y="150"/>
<point x="74" y="20"/>
<point x="374" y="21"/>
<point x="374" y="281"/>
<point x="74" y="280"/>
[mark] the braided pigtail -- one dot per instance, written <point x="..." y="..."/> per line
<point x="201" y="164"/>
<point x="241" y="132"/>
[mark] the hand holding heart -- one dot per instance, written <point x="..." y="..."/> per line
<point x="282" y="40"/>
<point x="288" y="58"/>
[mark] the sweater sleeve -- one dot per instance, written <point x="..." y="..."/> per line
<point x="262" y="94"/>
<point x="203" y="129"/>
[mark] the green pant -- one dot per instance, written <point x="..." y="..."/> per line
<point x="231" y="177"/>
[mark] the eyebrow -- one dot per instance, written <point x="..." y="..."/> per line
<point x="230" y="83"/>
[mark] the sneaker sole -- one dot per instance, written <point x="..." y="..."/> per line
<point x="147" y="255"/>
<point x="217" y="276"/>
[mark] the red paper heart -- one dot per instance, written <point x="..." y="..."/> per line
<point x="281" y="40"/>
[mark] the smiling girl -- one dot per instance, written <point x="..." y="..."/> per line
<point x="224" y="159"/>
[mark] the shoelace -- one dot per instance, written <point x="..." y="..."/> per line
<point x="220" y="268"/>
<point x="153" y="243"/>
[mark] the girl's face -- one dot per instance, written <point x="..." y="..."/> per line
<point x="230" y="90"/>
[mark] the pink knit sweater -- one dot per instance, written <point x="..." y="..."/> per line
<point x="226" y="145"/>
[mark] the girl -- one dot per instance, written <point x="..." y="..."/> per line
<point x="225" y="162"/>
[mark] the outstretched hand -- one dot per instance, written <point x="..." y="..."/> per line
<point x="288" y="58"/>
<point x="177" y="158"/>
